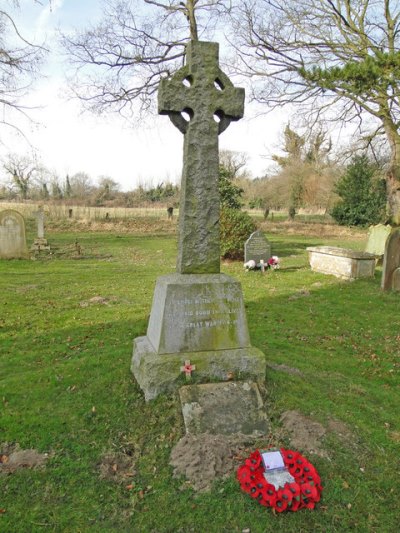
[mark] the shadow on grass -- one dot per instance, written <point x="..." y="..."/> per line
<point x="283" y="248"/>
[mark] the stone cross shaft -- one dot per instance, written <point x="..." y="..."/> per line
<point x="201" y="102"/>
<point x="40" y="223"/>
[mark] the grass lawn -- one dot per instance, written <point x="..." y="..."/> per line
<point x="66" y="389"/>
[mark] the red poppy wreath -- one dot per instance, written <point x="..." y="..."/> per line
<point x="302" y="492"/>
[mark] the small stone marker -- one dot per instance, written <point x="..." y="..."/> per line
<point x="257" y="248"/>
<point x="198" y="314"/>
<point x="12" y="235"/>
<point x="341" y="262"/>
<point x="391" y="263"/>
<point x="377" y="236"/>
<point x="224" y="409"/>
<point x="40" y="243"/>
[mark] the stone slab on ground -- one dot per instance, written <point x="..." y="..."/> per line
<point x="224" y="409"/>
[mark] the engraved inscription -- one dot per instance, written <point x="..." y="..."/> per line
<point x="207" y="313"/>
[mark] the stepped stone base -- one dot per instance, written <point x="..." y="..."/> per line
<point x="201" y="318"/>
<point x="39" y="245"/>
<point x="157" y="374"/>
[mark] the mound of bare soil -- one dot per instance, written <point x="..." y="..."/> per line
<point x="307" y="434"/>
<point x="203" y="458"/>
<point x="12" y="458"/>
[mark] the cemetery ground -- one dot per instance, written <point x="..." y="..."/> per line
<point x="67" y="324"/>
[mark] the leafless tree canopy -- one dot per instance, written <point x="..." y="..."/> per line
<point x="19" y="63"/>
<point x="119" y="62"/>
<point x="289" y="41"/>
<point x="338" y="56"/>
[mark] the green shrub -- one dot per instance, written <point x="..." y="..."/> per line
<point x="229" y="193"/>
<point x="362" y="193"/>
<point x="235" y="228"/>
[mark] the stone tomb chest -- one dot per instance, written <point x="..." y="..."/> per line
<point x="257" y="248"/>
<point x="341" y="262"/>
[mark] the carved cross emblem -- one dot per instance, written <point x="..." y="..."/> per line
<point x="201" y="102"/>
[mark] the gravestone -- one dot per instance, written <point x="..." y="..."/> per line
<point x="257" y="248"/>
<point x="391" y="263"/>
<point x="197" y="316"/>
<point x="12" y="235"/>
<point x="40" y="243"/>
<point x="377" y="236"/>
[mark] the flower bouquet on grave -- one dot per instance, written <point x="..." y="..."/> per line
<point x="273" y="262"/>
<point x="283" y="480"/>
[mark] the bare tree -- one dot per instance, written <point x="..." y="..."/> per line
<point x="24" y="171"/>
<point x="19" y="64"/>
<point x="234" y="163"/>
<point x="340" y="53"/>
<point x="119" y="62"/>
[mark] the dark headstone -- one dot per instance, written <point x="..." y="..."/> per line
<point x="391" y="263"/>
<point x="257" y="248"/>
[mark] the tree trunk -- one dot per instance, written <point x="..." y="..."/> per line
<point x="393" y="174"/>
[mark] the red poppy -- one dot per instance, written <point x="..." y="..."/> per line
<point x="308" y="503"/>
<point x="296" y="504"/>
<point x="281" y="503"/>
<point x="289" y="457"/>
<point x="294" y="489"/>
<point x="254" y="461"/>
<point x="310" y="491"/>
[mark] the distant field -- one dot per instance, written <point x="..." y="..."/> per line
<point x="59" y="212"/>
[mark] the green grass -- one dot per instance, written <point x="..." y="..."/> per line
<point x="66" y="389"/>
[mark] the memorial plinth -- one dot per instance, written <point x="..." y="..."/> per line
<point x="197" y="314"/>
<point x="196" y="317"/>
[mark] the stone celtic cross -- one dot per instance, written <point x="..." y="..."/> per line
<point x="203" y="94"/>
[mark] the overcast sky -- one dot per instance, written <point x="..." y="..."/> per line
<point x="68" y="141"/>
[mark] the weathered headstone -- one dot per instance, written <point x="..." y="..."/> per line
<point x="197" y="314"/>
<point x="391" y="263"/>
<point x="40" y="243"/>
<point x="257" y="248"/>
<point x="12" y="235"/>
<point x="377" y="236"/>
